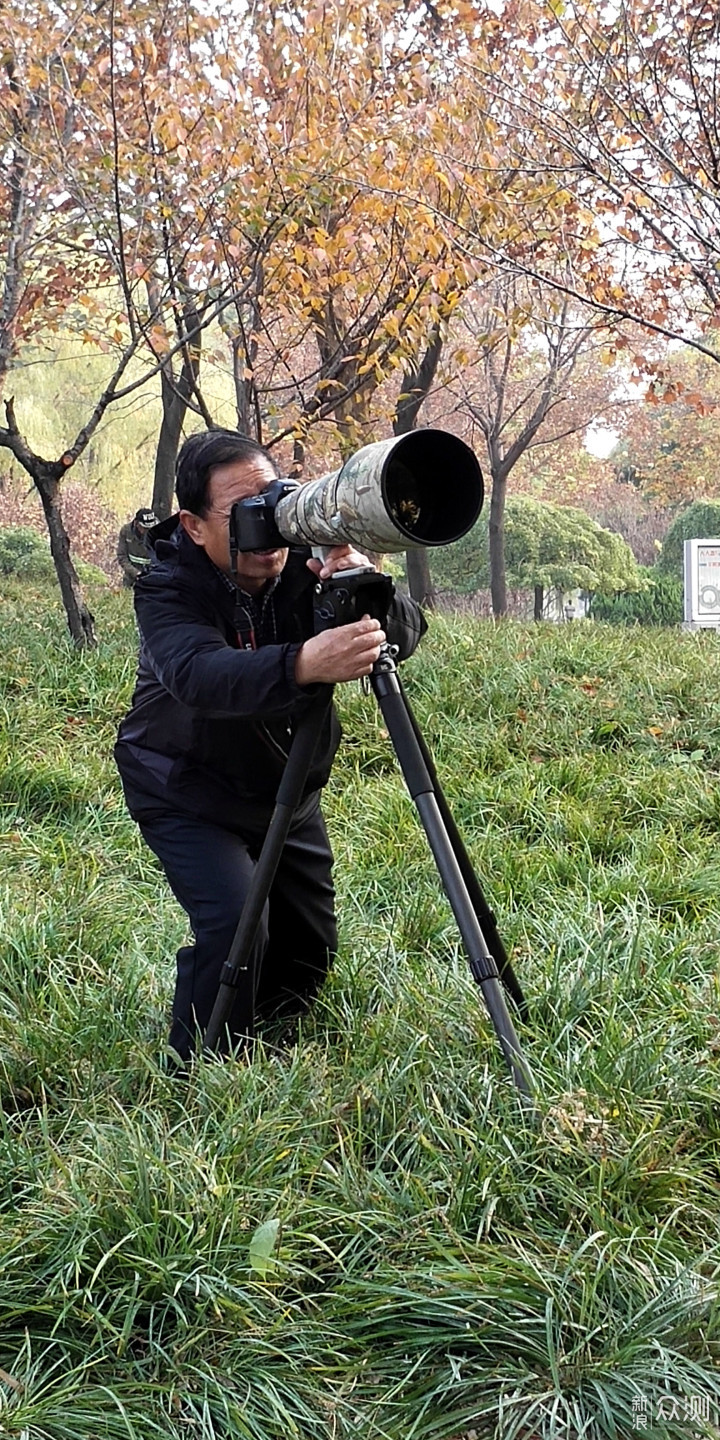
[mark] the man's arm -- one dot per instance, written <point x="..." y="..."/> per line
<point x="191" y="658"/>
<point x="193" y="661"/>
<point x="345" y="653"/>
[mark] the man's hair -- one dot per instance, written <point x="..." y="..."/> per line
<point x="199" y="456"/>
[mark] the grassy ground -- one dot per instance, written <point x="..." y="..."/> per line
<point x="363" y="1235"/>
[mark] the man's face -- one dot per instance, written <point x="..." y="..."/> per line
<point x="235" y="481"/>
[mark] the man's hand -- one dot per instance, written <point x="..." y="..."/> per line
<point x="345" y="653"/>
<point x="340" y="557"/>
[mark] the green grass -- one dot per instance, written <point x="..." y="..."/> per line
<point x="363" y="1235"/>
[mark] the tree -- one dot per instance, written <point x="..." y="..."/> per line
<point x="669" y="449"/>
<point x="522" y="377"/>
<point x="35" y="267"/>
<point x="359" y="283"/>
<point x="615" y="106"/>
<point x="163" y="147"/>
<point x="94" y="112"/>
<point x="559" y="547"/>
<point x="295" y="171"/>
<point x="548" y="547"/>
<point x="53" y="66"/>
<point x="359" y="112"/>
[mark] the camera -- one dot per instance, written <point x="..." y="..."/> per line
<point x="416" y="490"/>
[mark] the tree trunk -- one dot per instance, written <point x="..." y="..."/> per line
<point x="539" y="602"/>
<point x="247" y="407"/>
<point x="80" y="621"/>
<point x="420" y="582"/>
<point x="498" y="586"/>
<point x="416" y="383"/>
<point x="174" y="411"/>
<point x="175" y="396"/>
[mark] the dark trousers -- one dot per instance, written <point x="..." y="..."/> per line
<point x="209" y="870"/>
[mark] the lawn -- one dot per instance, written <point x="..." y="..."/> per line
<point x="365" y="1234"/>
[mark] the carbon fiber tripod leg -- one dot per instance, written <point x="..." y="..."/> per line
<point x="386" y="687"/>
<point x="484" y="914"/>
<point x="235" y="970"/>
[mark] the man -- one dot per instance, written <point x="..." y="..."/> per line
<point x="133" y="551"/>
<point x="228" y="663"/>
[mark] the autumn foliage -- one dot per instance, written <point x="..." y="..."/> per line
<point x="313" y="197"/>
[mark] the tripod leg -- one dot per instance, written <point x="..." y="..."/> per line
<point x="235" y="969"/>
<point x="484" y="914"/>
<point x="386" y="688"/>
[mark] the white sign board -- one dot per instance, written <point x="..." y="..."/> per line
<point x="702" y="584"/>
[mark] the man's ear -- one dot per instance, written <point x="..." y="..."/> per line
<point x="193" y="526"/>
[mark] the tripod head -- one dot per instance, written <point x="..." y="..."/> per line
<point x="348" y="595"/>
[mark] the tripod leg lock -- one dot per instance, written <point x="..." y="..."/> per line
<point x="484" y="968"/>
<point x="232" y="974"/>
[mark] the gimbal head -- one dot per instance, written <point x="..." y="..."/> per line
<point x="349" y="594"/>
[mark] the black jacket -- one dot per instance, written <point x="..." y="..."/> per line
<point x="210" y="723"/>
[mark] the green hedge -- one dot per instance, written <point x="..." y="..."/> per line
<point x="699" y="520"/>
<point x="659" y="602"/>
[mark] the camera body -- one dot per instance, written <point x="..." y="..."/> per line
<point x="252" y="521"/>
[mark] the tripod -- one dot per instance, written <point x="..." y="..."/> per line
<point x="488" y="960"/>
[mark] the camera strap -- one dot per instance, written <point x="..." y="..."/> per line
<point x="244" y="625"/>
<point x="254" y="621"/>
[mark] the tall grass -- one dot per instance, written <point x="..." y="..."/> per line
<point x="361" y="1234"/>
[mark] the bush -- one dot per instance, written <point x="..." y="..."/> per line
<point x="91" y="525"/>
<point x="35" y="566"/>
<point x="464" y="567"/>
<point x="701" y="519"/>
<point x="558" y="547"/>
<point x="659" y="602"/>
<point x="90" y="574"/>
<point x="23" y="552"/>
<point x="26" y="555"/>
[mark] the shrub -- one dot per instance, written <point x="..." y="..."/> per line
<point x="659" y="602"/>
<point x="464" y="567"/>
<point x="26" y="555"/>
<point x="24" y="552"/>
<point x="558" y="547"/>
<point x="702" y="518"/>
